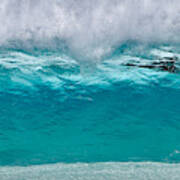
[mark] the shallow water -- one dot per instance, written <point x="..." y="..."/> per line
<point x="101" y="171"/>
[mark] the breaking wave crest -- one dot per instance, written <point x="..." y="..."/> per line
<point x="88" y="29"/>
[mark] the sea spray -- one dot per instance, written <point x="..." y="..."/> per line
<point x="90" y="30"/>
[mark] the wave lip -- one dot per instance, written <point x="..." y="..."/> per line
<point x="94" y="171"/>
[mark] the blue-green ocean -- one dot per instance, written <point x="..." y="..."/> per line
<point x="69" y="106"/>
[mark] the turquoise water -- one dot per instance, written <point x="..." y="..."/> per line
<point x="53" y="110"/>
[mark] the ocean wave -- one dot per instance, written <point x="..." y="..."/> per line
<point x="68" y="95"/>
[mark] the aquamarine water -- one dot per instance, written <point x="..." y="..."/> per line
<point x="70" y="108"/>
<point x="53" y="112"/>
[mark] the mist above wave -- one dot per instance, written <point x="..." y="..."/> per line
<point x="89" y="29"/>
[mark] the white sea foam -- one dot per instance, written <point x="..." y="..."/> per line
<point x="89" y="29"/>
<point x="20" y="70"/>
<point x="94" y="171"/>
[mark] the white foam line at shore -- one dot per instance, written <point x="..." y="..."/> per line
<point x="93" y="171"/>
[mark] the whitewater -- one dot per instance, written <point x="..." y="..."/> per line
<point x="71" y="108"/>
